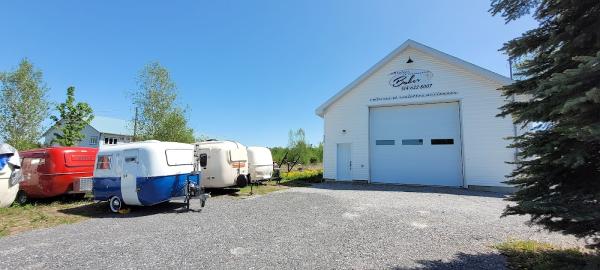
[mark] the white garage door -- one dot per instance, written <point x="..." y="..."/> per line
<point x="416" y="144"/>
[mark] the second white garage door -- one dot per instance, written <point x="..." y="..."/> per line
<point x="416" y="144"/>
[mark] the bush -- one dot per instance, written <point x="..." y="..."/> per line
<point x="312" y="176"/>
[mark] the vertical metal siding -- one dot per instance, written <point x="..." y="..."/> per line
<point x="484" y="146"/>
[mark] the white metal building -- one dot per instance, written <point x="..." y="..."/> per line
<point x="419" y="116"/>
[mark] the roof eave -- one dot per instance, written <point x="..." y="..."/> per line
<point x="320" y="111"/>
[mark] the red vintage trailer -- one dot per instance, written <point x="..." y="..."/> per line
<point x="54" y="171"/>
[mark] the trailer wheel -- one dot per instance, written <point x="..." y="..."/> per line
<point x="115" y="204"/>
<point x="241" y="181"/>
<point x="21" y="197"/>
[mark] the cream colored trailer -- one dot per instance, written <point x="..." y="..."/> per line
<point x="223" y="163"/>
<point x="260" y="163"/>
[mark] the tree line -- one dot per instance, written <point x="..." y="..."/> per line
<point x="297" y="152"/>
<point x="24" y="106"/>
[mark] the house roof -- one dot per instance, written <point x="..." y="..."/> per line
<point x="109" y="125"/>
<point x="320" y="111"/>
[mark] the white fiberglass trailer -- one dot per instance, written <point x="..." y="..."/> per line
<point x="145" y="173"/>
<point x="10" y="174"/>
<point x="260" y="163"/>
<point x="223" y="163"/>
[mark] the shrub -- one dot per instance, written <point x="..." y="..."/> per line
<point x="312" y="176"/>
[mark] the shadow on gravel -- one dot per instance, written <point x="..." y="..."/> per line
<point x="216" y="192"/>
<point x="63" y="199"/>
<point x="406" y="188"/>
<point x="100" y="210"/>
<point x="464" y="261"/>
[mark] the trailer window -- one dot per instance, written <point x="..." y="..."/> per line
<point x="104" y="162"/>
<point x="37" y="161"/>
<point x="178" y="157"/>
<point x="203" y="160"/>
<point x="31" y="164"/>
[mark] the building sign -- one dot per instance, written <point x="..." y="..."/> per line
<point x="410" y="96"/>
<point x="411" y="79"/>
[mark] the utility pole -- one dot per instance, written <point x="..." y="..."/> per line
<point x="135" y="119"/>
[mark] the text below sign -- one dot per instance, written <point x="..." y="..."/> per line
<point x="409" y="96"/>
<point x="411" y="79"/>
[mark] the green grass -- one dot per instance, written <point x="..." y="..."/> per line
<point x="20" y="218"/>
<point x="261" y="189"/>
<point x="290" y="179"/>
<point x="527" y="254"/>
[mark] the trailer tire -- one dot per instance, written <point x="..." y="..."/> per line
<point x="21" y="198"/>
<point x="115" y="204"/>
<point x="241" y="181"/>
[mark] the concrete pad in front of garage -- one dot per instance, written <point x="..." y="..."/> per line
<point x="329" y="225"/>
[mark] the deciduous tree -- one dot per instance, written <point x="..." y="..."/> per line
<point x="23" y="106"/>
<point x="160" y="118"/>
<point x="71" y="120"/>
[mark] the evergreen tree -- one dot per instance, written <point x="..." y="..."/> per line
<point x="23" y="106"/>
<point x="71" y="120"/>
<point x="558" y="170"/>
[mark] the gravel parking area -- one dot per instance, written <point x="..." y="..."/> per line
<point x="327" y="226"/>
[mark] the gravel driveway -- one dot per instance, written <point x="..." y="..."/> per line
<point x="327" y="226"/>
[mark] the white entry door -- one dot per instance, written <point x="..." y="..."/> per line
<point x="416" y="144"/>
<point x="129" y="177"/>
<point x="344" y="162"/>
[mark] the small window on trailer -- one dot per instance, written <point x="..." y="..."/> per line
<point x="179" y="157"/>
<point x="104" y="162"/>
<point x="203" y="160"/>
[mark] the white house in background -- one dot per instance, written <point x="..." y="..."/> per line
<point x="101" y="131"/>
<point x="423" y="117"/>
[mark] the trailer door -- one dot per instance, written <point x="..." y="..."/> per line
<point x="129" y="188"/>
<point x="205" y="163"/>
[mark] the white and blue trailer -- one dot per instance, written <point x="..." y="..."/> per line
<point x="146" y="173"/>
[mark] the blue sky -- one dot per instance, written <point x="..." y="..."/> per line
<point x="247" y="70"/>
